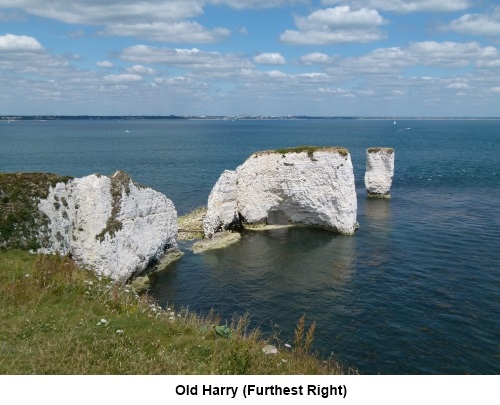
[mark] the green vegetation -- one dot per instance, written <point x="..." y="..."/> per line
<point x="311" y="149"/>
<point x="57" y="319"/>
<point x="120" y="181"/>
<point x="375" y="150"/>
<point x="191" y="224"/>
<point x="20" y="219"/>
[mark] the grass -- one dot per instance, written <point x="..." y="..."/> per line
<point x="58" y="319"/>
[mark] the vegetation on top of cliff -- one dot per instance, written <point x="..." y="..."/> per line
<point x="376" y="150"/>
<point x="311" y="149"/>
<point x="57" y="319"/>
<point x="20" y="219"/>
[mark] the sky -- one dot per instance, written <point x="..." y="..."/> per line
<point x="260" y="57"/>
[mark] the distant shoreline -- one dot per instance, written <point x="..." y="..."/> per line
<point x="12" y="118"/>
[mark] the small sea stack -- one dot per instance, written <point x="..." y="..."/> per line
<point x="379" y="172"/>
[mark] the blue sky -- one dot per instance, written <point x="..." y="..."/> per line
<point x="229" y="57"/>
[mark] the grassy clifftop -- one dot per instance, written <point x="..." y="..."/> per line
<point x="57" y="319"/>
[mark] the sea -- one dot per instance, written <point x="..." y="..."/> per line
<point x="415" y="291"/>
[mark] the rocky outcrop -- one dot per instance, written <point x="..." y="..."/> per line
<point x="108" y="224"/>
<point x="303" y="186"/>
<point x="222" y="210"/>
<point x="379" y="172"/>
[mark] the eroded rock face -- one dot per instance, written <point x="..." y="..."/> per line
<point x="222" y="210"/>
<point x="379" y="172"/>
<point x="110" y="224"/>
<point x="310" y="188"/>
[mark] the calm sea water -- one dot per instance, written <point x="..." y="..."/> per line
<point x="415" y="291"/>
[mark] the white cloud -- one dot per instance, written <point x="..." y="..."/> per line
<point x="98" y="12"/>
<point x="477" y="24"/>
<point x="140" y="70"/>
<point x="387" y="63"/>
<point x="104" y="64"/>
<point x="337" y="91"/>
<point x="339" y="17"/>
<point x="313" y="76"/>
<point x="173" y="32"/>
<point x="458" y="85"/>
<point x="495" y="90"/>
<point x="492" y="63"/>
<point x="177" y="81"/>
<point x="255" y="4"/>
<point x="336" y="25"/>
<point x="123" y="78"/>
<point x="19" y="43"/>
<point x="450" y="54"/>
<point x="274" y="58"/>
<point x="277" y="74"/>
<point x="193" y="59"/>
<point x="156" y="20"/>
<point x="315" y="58"/>
<point x="406" y="6"/>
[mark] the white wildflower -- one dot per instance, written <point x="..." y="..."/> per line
<point x="119" y="331"/>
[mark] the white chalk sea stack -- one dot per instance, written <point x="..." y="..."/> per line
<point x="110" y="224"/>
<point x="379" y="172"/>
<point x="303" y="186"/>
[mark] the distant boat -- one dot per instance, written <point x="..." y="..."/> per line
<point x="394" y="122"/>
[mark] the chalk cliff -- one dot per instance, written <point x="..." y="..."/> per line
<point x="110" y="224"/>
<point x="304" y="186"/>
<point x="379" y="172"/>
<point x="222" y="210"/>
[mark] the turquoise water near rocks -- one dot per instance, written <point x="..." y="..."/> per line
<point x="415" y="291"/>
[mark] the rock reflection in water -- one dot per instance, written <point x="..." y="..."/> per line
<point x="276" y="274"/>
<point x="286" y="259"/>
<point x="377" y="225"/>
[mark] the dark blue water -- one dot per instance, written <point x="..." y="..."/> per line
<point x="416" y="290"/>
